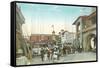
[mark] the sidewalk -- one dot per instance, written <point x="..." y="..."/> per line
<point x="37" y="60"/>
<point x="84" y="56"/>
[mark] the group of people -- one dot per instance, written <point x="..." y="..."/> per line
<point x="49" y="54"/>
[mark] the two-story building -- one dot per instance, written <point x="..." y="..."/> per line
<point x="86" y="31"/>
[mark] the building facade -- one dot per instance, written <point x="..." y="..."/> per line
<point x="19" y="21"/>
<point x="38" y="40"/>
<point x="67" y="37"/>
<point x="21" y="43"/>
<point x="86" y="31"/>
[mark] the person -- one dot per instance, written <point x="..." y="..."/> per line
<point x="58" y="58"/>
<point x="55" y="55"/>
<point x="45" y="54"/>
<point x="42" y="54"/>
<point x="64" y="50"/>
<point x="21" y="59"/>
<point x="49" y="54"/>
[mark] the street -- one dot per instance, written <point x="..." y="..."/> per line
<point x="84" y="56"/>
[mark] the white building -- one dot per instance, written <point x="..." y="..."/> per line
<point x="67" y="37"/>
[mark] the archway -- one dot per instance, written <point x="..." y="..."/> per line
<point x="90" y="42"/>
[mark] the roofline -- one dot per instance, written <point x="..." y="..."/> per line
<point x="93" y="13"/>
<point x="78" y="19"/>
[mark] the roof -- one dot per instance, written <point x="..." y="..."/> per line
<point x="92" y="14"/>
<point x="68" y="32"/>
<point x="83" y="17"/>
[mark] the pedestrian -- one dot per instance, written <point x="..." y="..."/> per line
<point x="52" y="51"/>
<point x="58" y="53"/>
<point x="55" y="55"/>
<point x="64" y="50"/>
<point x="46" y="53"/>
<point x="42" y="54"/>
<point x="45" y="56"/>
<point x="49" y="54"/>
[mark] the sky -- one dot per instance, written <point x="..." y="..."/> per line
<point x="39" y="18"/>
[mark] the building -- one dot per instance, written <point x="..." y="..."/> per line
<point x="38" y="40"/>
<point x="20" y="20"/>
<point x="86" y="31"/>
<point x="21" y="43"/>
<point x="67" y="37"/>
